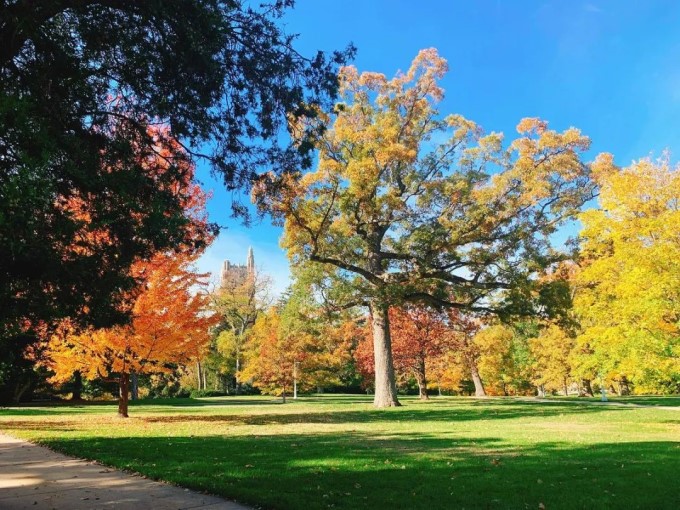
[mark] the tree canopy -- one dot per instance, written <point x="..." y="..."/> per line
<point x="82" y="84"/>
<point x="408" y="206"/>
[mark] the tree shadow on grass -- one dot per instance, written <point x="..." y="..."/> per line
<point x="53" y="409"/>
<point x="408" y="470"/>
<point x="492" y="411"/>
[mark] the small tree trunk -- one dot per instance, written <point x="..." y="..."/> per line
<point x="134" y="386"/>
<point x="20" y="389"/>
<point x="566" y="388"/>
<point x="124" y="389"/>
<point x="205" y="379"/>
<point x="77" y="386"/>
<point x="624" y="387"/>
<point x="237" y="384"/>
<point x="199" y="374"/>
<point x="421" y="380"/>
<point x="477" y="380"/>
<point x="385" y="382"/>
<point x="587" y="388"/>
<point x="283" y="395"/>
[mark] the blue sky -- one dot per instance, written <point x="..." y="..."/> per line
<point x="610" y="68"/>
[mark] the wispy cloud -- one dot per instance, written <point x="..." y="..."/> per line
<point x="592" y="8"/>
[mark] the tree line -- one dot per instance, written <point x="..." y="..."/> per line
<point x="416" y="230"/>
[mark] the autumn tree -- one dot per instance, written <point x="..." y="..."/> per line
<point x="550" y="352"/>
<point x="92" y="250"/>
<point x="419" y="335"/>
<point x="170" y="325"/>
<point x="629" y="299"/>
<point x="463" y="349"/>
<point x="271" y="354"/>
<point x="407" y="206"/>
<point x="83" y="83"/>
<point x="238" y="301"/>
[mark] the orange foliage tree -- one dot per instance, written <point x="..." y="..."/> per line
<point x="169" y="326"/>
<point x="271" y="355"/>
<point x="420" y="337"/>
<point x="168" y="319"/>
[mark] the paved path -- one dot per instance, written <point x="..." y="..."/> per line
<point x="34" y="477"/>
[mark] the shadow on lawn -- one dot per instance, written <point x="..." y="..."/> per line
<point x="490" y="411"/>
<point x="55" y="408"/>
<point x="409" y="470"/>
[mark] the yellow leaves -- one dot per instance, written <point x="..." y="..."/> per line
<point x="630" y="302"/>
<point x="603" y="167"/>
<point x="529" y="125"/>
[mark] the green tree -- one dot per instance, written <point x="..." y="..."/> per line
<point x="238" y="301"/>
<point x="81" y="82"/>
<point x="628" y="298"/>
<point x="407" y="206"/>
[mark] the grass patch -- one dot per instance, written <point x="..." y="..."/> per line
<point x="339" y="452"/>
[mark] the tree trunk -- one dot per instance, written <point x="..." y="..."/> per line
<point x="541" y="391"/>
<point x="77" y="394"/>
<point x="205" y="379"/>
<point x="134" y="386"/>
<point x="283" y="395"/>
<point x="198" y="373"/>
<point x="124" y="388"/>
<point x="566" y="388"/>
<point x="20" y="389"/>
<point x="385" y="383"/>
<point x="421" y="380"/>
<point x="237" y="384"/>
<point x="587" y="388"/>
<point x="477" y="380"/>
<point x="624" y="387"/>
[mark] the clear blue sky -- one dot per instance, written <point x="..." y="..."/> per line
<point x="610" y="68"/>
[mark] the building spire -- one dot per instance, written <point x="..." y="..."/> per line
<point x="251" y="261"/>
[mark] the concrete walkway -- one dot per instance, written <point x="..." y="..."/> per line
<point x="34" y="477"/>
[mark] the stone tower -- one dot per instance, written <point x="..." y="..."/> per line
<point x="236" y="274"/>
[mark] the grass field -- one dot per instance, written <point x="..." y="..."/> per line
<point x="339" y="452"/>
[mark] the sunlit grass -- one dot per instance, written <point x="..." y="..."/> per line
<point x="339" y="452"/>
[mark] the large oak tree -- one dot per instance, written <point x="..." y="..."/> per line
<point x="406" y="205"/>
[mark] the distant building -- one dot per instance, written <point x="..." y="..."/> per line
<point x="237" y="273"/>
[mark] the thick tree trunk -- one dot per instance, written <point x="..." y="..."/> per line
<point x="541" y="391"/>
<point x="421" y="380"/>
<point x="385" y="382"/>
<point x="77" y="394"/>
<point x="477" y="380"/>
<point x="134" y="386"/>
<point x="124" y="388"/>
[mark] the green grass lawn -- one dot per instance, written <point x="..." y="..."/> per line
<point x="339" y="452"/>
